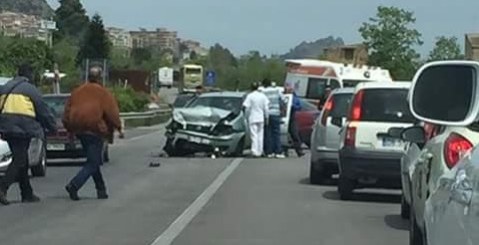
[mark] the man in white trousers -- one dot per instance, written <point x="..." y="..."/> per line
<point x="256" y="108"/>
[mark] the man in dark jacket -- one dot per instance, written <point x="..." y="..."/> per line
<point x="92" y="114"/>
<point x="24" y="115"/>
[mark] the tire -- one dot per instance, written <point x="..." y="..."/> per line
<point x="405" y="208"/>
<point x="416" y="236"/>
<point x="345" y="187"/>
<point x="318" y="177"/>
<point x="239" y="148"/>
<point x="175" y="150"/>
<point x="40" y="169"/>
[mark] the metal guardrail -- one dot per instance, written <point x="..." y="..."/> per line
<point x="143" y="115"/>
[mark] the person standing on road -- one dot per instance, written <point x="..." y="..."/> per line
<point x="92" y="114"/>
<point x="23" y="116"/>
<point x="256" y="108"/>
<point x="293" y="127"/>
<point x="273" y="130"/>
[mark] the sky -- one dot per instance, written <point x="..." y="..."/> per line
<point x="275" y="26"/>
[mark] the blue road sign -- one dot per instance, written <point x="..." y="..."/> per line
<point x="210" y="78"/>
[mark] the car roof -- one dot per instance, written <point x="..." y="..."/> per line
<point x="343" y="91"/>
<point x="224" y="94"/>
<point x="373" y="85"/>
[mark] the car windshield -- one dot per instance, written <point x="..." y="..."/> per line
<point x="56" y="104"/>
<point x="341" y="104"/>
<point x="386" y="105"/>
<point x="220" y="102"/>
<point x="182" y="101"/>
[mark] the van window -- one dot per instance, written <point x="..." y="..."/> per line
<point x="316" y="88"/>
<point x="334" y="84"/>
<point x="341" y="104"/>
<point x="386" y="105"/>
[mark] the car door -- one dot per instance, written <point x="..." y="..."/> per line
<point x="451" y="211"/>
<point x="285" y="120"/>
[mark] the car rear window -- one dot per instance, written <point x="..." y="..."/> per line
<point x="341" y="104"/>
<point x="386" y="105"/>
<point x="56" y="104"/>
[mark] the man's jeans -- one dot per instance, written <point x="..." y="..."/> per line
<point x="273" y="137"/>
<point x="93" y="147"/>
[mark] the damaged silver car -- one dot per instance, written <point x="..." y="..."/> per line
<point x="213" y="122"/>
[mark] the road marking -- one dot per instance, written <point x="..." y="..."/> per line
<point x="172" y="232"/>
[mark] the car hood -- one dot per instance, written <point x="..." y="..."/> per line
<point x="200" y="115"/>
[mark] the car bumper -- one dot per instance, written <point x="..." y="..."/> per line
<point x="326" y="158"/>
<point x="357" y="164"/>
<point x="58" y="149"/>
<point x="199" y="142"/>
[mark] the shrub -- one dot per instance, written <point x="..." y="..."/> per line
<point x="129" y="100"/>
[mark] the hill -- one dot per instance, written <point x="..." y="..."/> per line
<point x="31" y="7"/>
<point x="313" y="49"/>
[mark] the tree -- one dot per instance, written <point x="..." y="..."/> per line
<point x="71" y="19"/>
<point x="390" y="41"/>
<point x="96" y="44"/>
<point x="446" y="48"/>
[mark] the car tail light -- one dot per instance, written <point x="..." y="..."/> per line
<point x="454" y="148"/>
<point x="350" y="139"/>
<point x="328" y="107"/>
<point x="356" y="111"/>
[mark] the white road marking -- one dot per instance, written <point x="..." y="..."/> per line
<point x="174" y="230"/>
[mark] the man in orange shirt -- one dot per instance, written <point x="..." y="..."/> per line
<point x="92" y="114"/>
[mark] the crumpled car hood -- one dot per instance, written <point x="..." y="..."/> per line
<point x="200" y="115"/>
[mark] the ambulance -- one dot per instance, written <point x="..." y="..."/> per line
<point x="314" y="79"/>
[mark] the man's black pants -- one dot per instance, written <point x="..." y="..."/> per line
<point x="18" y="169"/>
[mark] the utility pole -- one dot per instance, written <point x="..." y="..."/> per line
<point x="56" y="79"/>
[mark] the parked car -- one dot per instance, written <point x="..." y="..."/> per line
<point x="63" y="144"/>
<point x="213" y="121"/>
<point x="368" y="156"/>
<point x="305" y="119"/>
<point x="325" y="137"/>
<point x="453" y="106"/>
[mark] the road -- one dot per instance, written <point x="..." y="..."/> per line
<point x="198" y="201"/>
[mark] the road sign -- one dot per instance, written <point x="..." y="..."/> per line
<point x="210" y="78"/>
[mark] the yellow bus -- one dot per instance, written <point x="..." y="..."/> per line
<point x="191" y="76"/>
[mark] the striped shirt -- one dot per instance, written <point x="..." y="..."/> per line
<point x="275" y="98"/>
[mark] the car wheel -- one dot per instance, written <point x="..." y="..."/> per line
<point x="318" y="177"/>
<point x="40" y="169"/>
<point x="416" y="237"/>
<point x="174" y="150"/>
<point x="405" y="208"/>
<point x="239" y="148"/>
<point x="345" y="187"/>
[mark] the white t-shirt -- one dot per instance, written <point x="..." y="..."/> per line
<point x="256" y="104"/>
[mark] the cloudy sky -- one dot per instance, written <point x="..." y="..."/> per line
<point x="275" y="26"/>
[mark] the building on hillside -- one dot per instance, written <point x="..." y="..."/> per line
<point x="26" y="26"/>
<point x="472" y="46"/>
<point x="351" y="54"/>
<point x="120" y="39"/>
<point x="160" y="38"/>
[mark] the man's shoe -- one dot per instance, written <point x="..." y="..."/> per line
<point x="3" y="198"/>
<point x="72" y="192"/>
<point x="102" y="194"/>
<point x="280" y="156"/>
<point x="31" y="199"/>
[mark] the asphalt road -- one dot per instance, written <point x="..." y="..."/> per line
<point x="198" y="201"/>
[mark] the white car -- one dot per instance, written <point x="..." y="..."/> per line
<point x="368" y="156"/>
<point x="444" y="94"/>
<point x="325" y="137"/>
<point x="36" y="157"/>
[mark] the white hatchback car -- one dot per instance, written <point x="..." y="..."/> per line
<point x="325" y="137"/>
<point x="368" y="155"/>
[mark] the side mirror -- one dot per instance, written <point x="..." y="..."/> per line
<point x="414" y="134"/>
<point x="395" y="132"/>
<point x="446" y="93"/>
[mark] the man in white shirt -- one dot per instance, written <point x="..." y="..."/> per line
<point x="256" y="107"/>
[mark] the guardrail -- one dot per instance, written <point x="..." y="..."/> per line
<point x="147" y="118"/>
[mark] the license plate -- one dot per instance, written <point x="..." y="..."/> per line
<point x="55" y="147"/>
<point x="389" y="142"/>
<point x="199" y="140"/>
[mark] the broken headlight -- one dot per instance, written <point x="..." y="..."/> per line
<point x="222" y="129"/>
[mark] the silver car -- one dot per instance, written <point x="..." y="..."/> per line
<point x="212" y="122"/>
<point x="36" y="157"/>
<point x="325" y="137"/>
